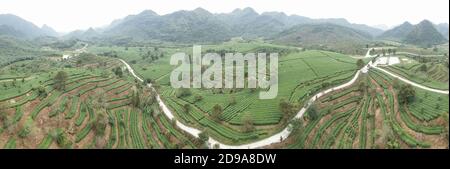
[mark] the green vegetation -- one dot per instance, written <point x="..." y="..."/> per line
<point x="73" y="101"/>
<point x="14" y="50"/>
<point x="90" y="99"/>
<point x="378" y="120"/>
<point x="432" y="74"/>
<point x="423" y="34"/>
<point x="200" y="108"/>
<point x="331" y="37"/>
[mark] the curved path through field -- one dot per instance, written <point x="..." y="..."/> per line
<point x="411" y="82"/>
<point x="414" y="54"/>
<point x="165" y="109"/>
<point x="12" y="79"/>
<point x="278" y="137"/>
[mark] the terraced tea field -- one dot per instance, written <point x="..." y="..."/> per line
<point x="368" y="115"/>
<point x="431" y="74"/>
<point x="103" y="105"/>
<point x="94" y="110"/>
<point x="299" y="74"/>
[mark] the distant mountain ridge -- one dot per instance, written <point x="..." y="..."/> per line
<point x="325" y="36"/>
<point x="202" y="25"/>
<point x="399" y="32"/>
<point x="423" y="34"/>
<point x="443" y="28"/>
<point x="48" y="31"/>
<point x="7" y="30"/>
<point x="15" y="26"/>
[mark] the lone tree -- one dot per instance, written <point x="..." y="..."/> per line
<point x="61" y="138"/>
<point x="204" y="137"/>
<point x="42" y="92"/>
<point x="217" y="112"/>
<point x="99" y="123"/>
<point x="4" y="119"/>
<point x="60" y="80"/>
<point x="79" y="62"/>
<point x="362" y="87"/>
<point x="407" y="94"/>
<point x="286" y="107"/>
<point x="198" y="98"/>
<point x="396" y="83"/>
<point x="135" y="99"/>
<point x="296" y="125"/>
<point x="248" y="124"/>
<point x="232" y="100"/>
<point x="183" y="92"/>
<point x="3" y="115"/>
<point x="187" y="107"/>
<point x="148" y="80"/>
<point x="100" y="103"/>
<point x="423" y="68"/>
<point x="360" y="63"/>
<point x="118" y="71"/>
<point x="313" y="113"/>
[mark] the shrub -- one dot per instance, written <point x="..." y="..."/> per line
<point x="183" y="92"/>
<point x="60" y="80"/>
<point x="406" y="94"/>
<point x="198" y="98"/>
<point x="217" y="112"/>
<point x="313" y="113"/>
<point x="203" y="136"/>
<point x="286" y="107"/>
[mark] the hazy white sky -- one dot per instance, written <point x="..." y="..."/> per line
<point x="68" y="15"/>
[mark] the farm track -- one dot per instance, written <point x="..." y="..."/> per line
<point x="412" y="83"/>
